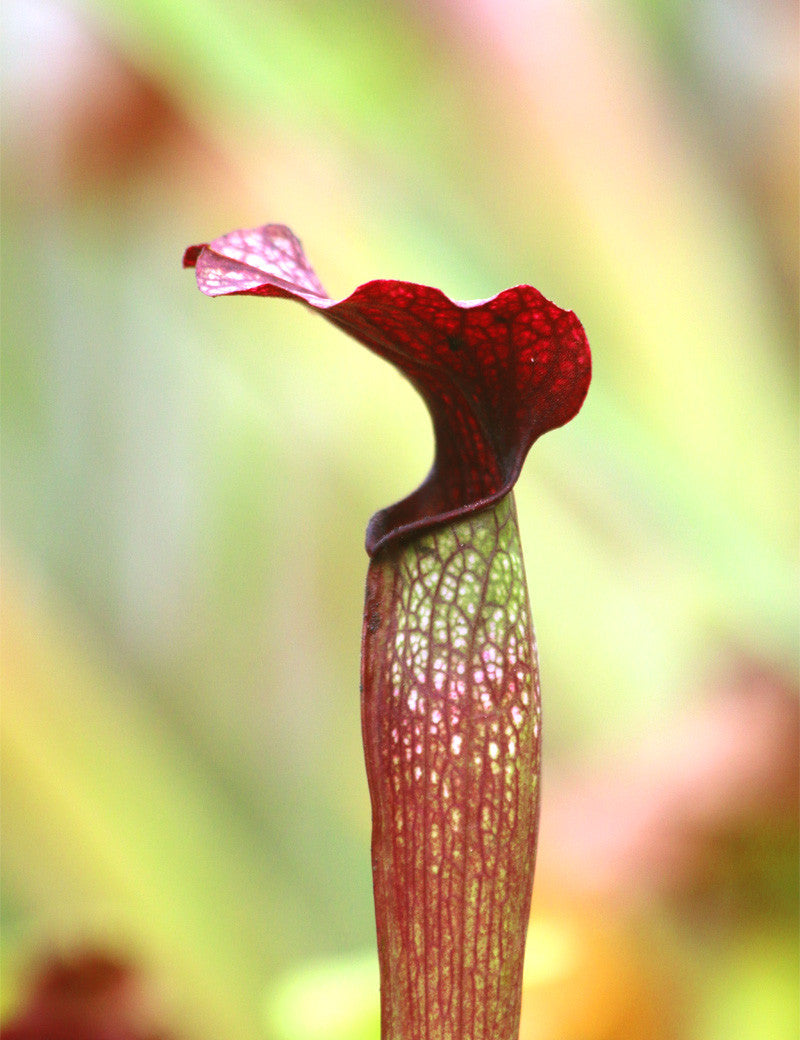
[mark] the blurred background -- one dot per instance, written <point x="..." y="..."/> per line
<point x="186" y="484"/>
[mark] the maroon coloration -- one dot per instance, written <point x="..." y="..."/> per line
<point x="450" y="688"/>
<point x="451" y="724"/>
<point x="495" y="374"/>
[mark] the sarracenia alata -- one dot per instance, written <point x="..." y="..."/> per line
<point x="450" y="700"/>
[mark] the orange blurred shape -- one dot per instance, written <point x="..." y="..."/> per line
<point x="591" y="976"/>
<point x="82" y="109"/>
<point x="90" y="995"/>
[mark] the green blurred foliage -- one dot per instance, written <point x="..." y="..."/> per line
<point x="186" y="482"/>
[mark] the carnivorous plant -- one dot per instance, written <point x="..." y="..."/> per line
<point x="451" y="713"/>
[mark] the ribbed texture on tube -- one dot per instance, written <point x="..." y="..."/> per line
<point x="451" y="722"/>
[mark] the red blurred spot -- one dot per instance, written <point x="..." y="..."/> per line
<point x="90" y="995"/>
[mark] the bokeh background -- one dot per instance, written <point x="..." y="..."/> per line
<point x="186" y="484"/>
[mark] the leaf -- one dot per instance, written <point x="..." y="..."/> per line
<point x="495" y="374"/>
